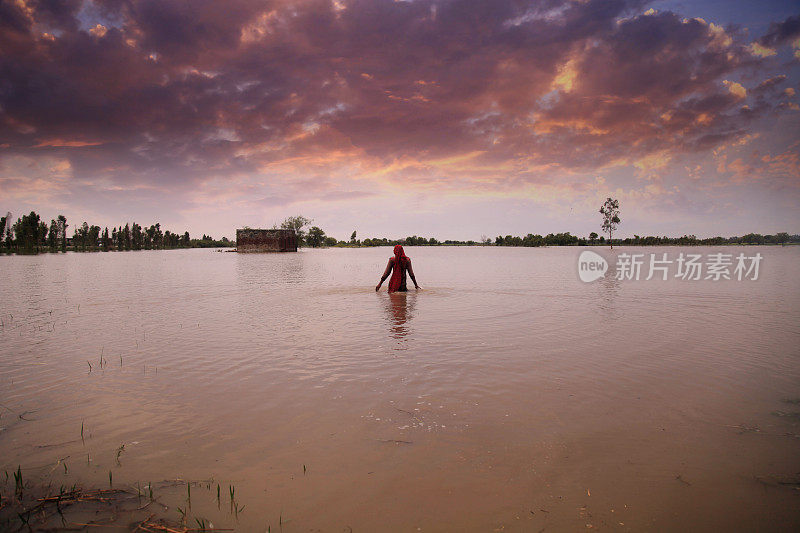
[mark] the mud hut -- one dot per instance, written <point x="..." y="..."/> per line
<point x="265" y="240"/>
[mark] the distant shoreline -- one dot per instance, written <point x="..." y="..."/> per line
<point x="231" y="247"/>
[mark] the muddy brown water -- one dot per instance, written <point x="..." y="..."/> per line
<point x="506" y="395"/>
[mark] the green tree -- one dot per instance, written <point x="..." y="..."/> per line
<point x="119" y="241"/>
<point x="3" y="223"/>
<point x="83" y="234"/>
<point x="158" y="237"/>
<point x="353" y="238"/>
<point x="316" y="237"/>
<point x="127" y="238"/>
<point x="149" y="235"/>
<point x="297" y="224"/>
<point x="592" y="237"/>
<point x="62" y="230"/>
<point x="26" y="233"/>
<point x="610" y="212"/>
<point x="76" y="240"/>
<point x="137" y="240"/>
<point x="52" y="235"/>
<point x="93" y="236"/>
<point x="106" y="240"/>
<point x="42" y="235"/>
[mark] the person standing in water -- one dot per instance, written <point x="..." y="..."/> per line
<point x="398" y="266"/>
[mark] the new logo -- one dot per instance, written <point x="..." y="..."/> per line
<point x="591" y="266"/>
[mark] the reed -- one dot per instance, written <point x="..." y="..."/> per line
<point x="18" y="483"/>
<point x="183" y="515"/>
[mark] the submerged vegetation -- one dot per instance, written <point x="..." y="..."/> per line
<point x="39" y="506"/>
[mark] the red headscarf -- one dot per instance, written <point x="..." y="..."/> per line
<point x="400" y="261"/>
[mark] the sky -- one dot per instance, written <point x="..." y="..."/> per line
<point x="454" y="119"/>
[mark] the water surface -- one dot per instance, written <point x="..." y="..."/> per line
<point x="506" y="395"/>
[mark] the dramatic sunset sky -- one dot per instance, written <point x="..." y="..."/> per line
<point x="451" y="119"/>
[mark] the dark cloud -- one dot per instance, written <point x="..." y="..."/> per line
<point x="170" y="93"/>
<point x="781" y="32"/>
<point x="770" y="84"/>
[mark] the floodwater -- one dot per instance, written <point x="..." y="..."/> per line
<point x="506" y="395"/>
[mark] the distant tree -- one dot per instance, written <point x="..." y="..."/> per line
<point x="26" y="233"/>
<point x="297" y="223"/>
<point x="52" y="236"/>
<point x="83" y="234"/>
<point x="77" y="239"/>
<point x="3" y="224"/>
<point x="106" y="240"/>
<point x="149" y="235"/>
<point x="127" y="237"/>
<point x="119" y="242"/>
<point x="315" y="238"/>
<point x="592" y="237"/>
<point x="42" y="235"/>
<point x="330" y="241"/>
<point x="158" y="236"/>
<point x="610" y="212"/>
<point x="185" y="240"/>
<point x="62" y="230"/>
<point x="93" y="236"/>
<point x="353" y="238"/>
<point x="137" y="239"/>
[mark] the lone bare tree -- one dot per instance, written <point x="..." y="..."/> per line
<point x="610" y="212"/>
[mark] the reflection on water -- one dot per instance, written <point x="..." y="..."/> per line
<point x="399" y="310"/>
<point x="524" y="399"/>
<point x="609" y="286"/>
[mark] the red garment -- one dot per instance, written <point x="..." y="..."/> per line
<point x="399" y="266"/>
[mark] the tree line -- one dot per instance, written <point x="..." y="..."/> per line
<point x="30" y="234"/>
<point x="566" y="239"/>
<point x="315" y="237"/>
